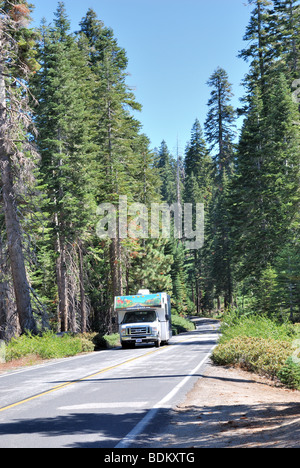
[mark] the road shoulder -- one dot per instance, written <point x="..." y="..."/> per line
<point x="230" y="408"/>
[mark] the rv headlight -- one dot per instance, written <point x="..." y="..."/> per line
<point x="123" y="331"/>
<point x="154" y="330"/>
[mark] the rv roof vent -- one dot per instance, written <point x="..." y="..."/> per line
<point x="143" y="292"/>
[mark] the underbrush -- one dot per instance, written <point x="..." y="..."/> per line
<point x="47" y="346"/>
<point x="181" y="325"/>
<point x="235" y="325"/>
<point x="262" y="345"/>
<point x="55" y="346"/>
<point x="107" y="341"/>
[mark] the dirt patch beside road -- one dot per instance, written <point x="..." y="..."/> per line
<point x="230" y="408"/>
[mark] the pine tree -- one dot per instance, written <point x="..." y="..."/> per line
<point x="116" y="127"/>
<point x="198" y="168"/>
<point x="17" y="63"/>
<point x="221" y="265"/>
<point x="66" y="126"/>
<point x="165" y="166"/>
<point x="220" y="122"/>
<point x="147" y="182"/>
<point x="265" y="192"/>
<point x="8" y="322"/>
<point x="286" y="33"/>
<point x="198" y="189"/>
<point x="260" y="51"/>
<point x="220" y="133"/>
<point x="151" y="267"/>
<point x="181" y="292"/>
<point x="126" y="166"/>
<point x="287" y="268"/>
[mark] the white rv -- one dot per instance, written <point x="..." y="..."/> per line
<point x="144" y="318"/>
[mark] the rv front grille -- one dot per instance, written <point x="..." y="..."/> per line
<point x="139" y="331"/>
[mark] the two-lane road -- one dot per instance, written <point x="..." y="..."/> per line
<point x="106" y="399"/>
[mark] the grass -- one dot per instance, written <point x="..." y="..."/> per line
<point x="260" y="344"/>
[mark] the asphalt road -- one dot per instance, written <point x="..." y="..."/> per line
<point x="110" y="399"/>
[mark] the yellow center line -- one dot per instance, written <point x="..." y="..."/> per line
<point x="73" y="382"/>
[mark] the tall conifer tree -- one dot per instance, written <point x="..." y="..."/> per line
<point x="265" y="191"/>
<point x="165" y="166"/>
<point x="259" y="51"/>
<point x="17" y="62"/>
<point x="286" y="36"/>
<point x="220" y="133"/>
<point x="198" y="189"/>
<point x="220" y="122"/>
<point x="65" y="127"/>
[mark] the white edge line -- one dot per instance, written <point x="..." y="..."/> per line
<point x="138" y="429"/>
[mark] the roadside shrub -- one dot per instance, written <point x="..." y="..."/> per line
<point x="112" y="341"/>
<point x="263" y="356"/>
<point x="181" y="325"/>
<point x="87" y="343"/>
<point x="106" y="341"/>
<point x="289" y="375"/>
<point x="252" y="325"/>
<point x="259" y="344"/>
<point x="47" y="346"/>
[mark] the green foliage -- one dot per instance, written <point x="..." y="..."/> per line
<point x="220" y="122"/>
<point x="164" y="165"/>
<point x="236" y="324"/>
<point x="181" y="293"/>
<point x="47" y="346"/>
<point x="289" y="374"/>
<point x="259" y="344"/>
<point x="92" y="151"/>
<point x="181" y="325"/>
<point x="260" y="355"/>
<point x="87" y="341"/>
<point x="198" y="188"/>
<point x="199" y="169"/>
<point x="107" y="341"/>
<point x="265" y="189"/>
<point x="52" y="346"/>
<point x="150" y="267"/>
<point x="25" y="61"/>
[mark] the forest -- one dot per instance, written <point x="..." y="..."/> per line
<point x="70" y="141"/>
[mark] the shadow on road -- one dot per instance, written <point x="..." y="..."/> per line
<point x="209" y="426"/>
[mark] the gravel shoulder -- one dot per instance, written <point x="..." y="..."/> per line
<point x="231" y="408"/>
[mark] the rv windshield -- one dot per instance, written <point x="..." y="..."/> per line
<point x="138" y="316"/>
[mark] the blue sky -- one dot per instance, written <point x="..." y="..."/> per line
<point x="173" y="47"/>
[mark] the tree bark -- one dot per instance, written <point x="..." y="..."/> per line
<point x="13" y="229"/>
<point x="9" y="324"/>
<point x="62" y="285"/>
<point x="83" y="306"/>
